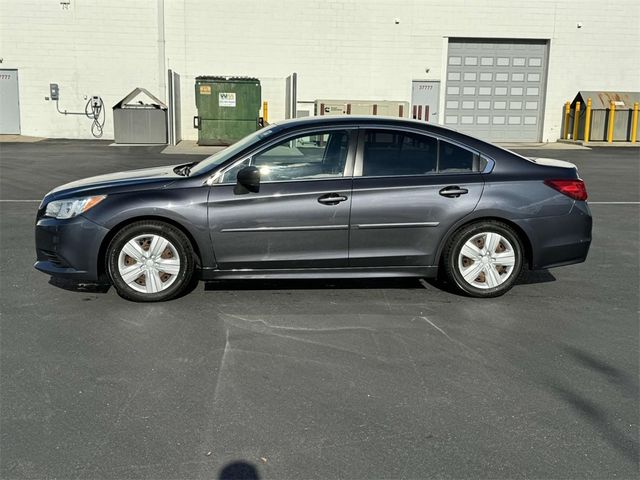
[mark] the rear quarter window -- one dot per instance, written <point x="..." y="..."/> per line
<point x="455" y="159"/>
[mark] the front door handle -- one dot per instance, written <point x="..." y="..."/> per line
<point x="453" y="191"/>
<point x="331" y="199"/>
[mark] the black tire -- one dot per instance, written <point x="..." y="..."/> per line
<point x="452" y="261"/>
<point x="178" y="244"/>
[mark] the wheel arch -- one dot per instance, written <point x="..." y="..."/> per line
<point x="522" y="235"/>
<point x="102" y="252"/>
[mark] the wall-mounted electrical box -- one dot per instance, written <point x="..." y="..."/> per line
<point x="54" y="92"/>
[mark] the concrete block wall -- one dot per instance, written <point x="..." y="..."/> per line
<point x="340" y="49"/>
<point x="89" y="48"/>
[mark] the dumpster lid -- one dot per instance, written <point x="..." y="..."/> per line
<point x="127" y="102"/>
<point x="602" y="100"/>
<point x="220" y="78"/>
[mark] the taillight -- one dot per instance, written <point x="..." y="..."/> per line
<point x="575" y="189"/>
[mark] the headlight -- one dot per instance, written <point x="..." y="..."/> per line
<point x="71" y="207"/>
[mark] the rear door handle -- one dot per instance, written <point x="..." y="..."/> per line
<point x="331" y="199"/>
<point x="453" y="191"/>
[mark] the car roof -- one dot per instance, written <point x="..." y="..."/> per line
<point x="478" y="144"/>
<point x="378" y="121"/>
<point x="358" y="119"/>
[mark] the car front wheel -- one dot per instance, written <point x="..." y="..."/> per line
<point x="484" y="259"/>
<point x="150" y="261"/>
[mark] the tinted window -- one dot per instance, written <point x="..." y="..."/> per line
<point x="455" y="159"/>
<point x="223" y="155"/>
<point x="310" y="156"/>
<point x="389" y="153"/>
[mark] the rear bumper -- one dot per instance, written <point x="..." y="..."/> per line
<point x="69" y="248"/>
<point x="561" y="240"/>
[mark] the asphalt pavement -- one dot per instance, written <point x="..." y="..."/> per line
<point x="318" y="379"/>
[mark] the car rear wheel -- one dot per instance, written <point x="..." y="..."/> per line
<point x="484" y="259"/>
<point x="150" y="261"/>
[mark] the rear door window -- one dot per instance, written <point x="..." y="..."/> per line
<point x="394" y="153"/>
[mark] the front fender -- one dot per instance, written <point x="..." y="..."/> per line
<point x="185" y="207"/>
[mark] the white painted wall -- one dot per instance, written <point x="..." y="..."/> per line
<point x="93" y="48"/>
<point x="350" y="49"/>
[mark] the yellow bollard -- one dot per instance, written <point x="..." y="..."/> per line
<point x="587" y="121"/>
<point x="265" y="112"/>
<point x="565" y="127"/>
<point x="634" y="123"/>
<point x="612" y="117"/>
<point x="576" y="121"/>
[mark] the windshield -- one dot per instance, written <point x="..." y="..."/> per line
<point x="223" y="155"/>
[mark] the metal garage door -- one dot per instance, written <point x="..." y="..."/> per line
<point x="495" y="88"/>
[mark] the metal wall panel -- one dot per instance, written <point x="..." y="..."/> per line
<point x="138" y="125"/>
<point x="495" y="89"/>
<point x="291" y="96"/>
<point x="598" y="125"/>
<point x="622" y="125"/>
<point x="174" y="110"/>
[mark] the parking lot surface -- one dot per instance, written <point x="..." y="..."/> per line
<point x="318" y="379"/>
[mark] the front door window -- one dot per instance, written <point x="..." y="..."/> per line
<point x="306" y="157"/>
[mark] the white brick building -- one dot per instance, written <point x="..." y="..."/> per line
<point x="340" y="49"/>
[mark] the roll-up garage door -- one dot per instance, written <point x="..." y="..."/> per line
<point x="495" y="88"/>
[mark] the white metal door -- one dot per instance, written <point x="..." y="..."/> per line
<point x="425" y="95"/>
<point x="9" y="102"/>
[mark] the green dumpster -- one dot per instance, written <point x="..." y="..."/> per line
<point x="228" y="109"/>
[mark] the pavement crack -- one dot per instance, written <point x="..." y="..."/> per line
<point x="298" y="329"/>
<point x="446" y="334"/>
<point x="274" y="331"/>
<point x="416" y="370"/>
<point x="469" y="352"/>
<point x="223" y="362"/>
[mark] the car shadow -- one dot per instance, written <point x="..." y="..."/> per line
<point x="531" y="277"/>
<point x="314" y="284"/>
<point x="239" y="470"/>
<point x="75" y="286"/>
<point x="527" y="278"/>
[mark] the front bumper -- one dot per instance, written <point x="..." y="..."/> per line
<point x="69" y="248"/>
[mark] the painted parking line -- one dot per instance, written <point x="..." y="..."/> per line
<point x="590" y="203"/>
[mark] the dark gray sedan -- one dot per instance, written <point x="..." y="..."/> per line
<point x="318" y="198"/>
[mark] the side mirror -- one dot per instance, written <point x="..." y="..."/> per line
<point x="248" y="180"/>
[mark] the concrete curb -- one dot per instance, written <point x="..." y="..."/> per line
<point x="543" y="146"/>
<point x="19" y="139"/>
<point x="190" y="147"/>
<point x="599" y="144"/>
